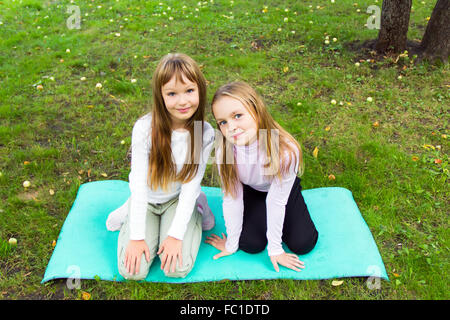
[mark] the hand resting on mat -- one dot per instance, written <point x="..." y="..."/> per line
<point x="133" y="255"/>
<point x="287" y="260"/>
<point x="218" y="243"/>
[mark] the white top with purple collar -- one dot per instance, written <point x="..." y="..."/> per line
<point x="251" y="172"/>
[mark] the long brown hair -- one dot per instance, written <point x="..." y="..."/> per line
<point x="162" y="169"/>
<point x="270" y="149"/>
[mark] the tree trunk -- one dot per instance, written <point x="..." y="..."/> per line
<point x="394" y="26"/>
<point x="436" y="39"/>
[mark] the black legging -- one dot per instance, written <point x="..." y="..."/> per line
<point x="299" y="232"/>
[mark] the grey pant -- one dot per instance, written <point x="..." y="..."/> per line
<point x="158" y="221"/>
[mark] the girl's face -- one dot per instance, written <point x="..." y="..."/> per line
<point x="181" y="100"/>
<point x="235" y="121"/>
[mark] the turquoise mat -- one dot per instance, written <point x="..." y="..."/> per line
<point x="345" y="248"/>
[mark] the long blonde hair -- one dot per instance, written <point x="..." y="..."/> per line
<point x="270" y="149"/>
<point x="162" y="169"/>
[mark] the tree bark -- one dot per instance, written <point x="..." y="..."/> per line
<point x="436" y="39"/>
<point x="394" y="26"/>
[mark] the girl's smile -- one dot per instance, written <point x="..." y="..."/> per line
<point x="235" y="137"/>
<point x="183" y="110"/>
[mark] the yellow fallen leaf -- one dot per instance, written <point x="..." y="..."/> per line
<point x="104" y="174"/>
<point x="327" y="128"/>
<point x="376" y="124"/>
<point x="396" y="275"/>
<point x="437" y="161"/>
<point x="285" y="69"/>
<point x="53" y="243"/>
<point x="26" y="162"/>
<point x="51" y="191"/>
<point x="415" y="158"/>
<point x="331" y="177"/>
<point x="85" y="295"/>
<point x="336" y="283"/>
<point x="315" y="152"/>
<point x="428" y="146"/>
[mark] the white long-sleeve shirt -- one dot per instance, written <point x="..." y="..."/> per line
<point x="141" y="194"/>
<point x="250" y="171"/>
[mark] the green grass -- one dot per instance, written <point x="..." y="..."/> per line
<point x="70" y="132"/>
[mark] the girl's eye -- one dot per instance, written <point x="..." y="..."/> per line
<point x="171" y="94"/>
<point x="237" y="116"/>
<point x="221" y="123"/>
<point x="190" y="90"/>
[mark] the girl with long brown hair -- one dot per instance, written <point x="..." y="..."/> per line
<point x="170" y="148"/>
<point x="258" y="163"/>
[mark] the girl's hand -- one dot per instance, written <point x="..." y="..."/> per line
<point x="170" y="251"/>
<point x="133" y="255"/>
<point x="288" y="260"/>
<point x="218" y="243"/>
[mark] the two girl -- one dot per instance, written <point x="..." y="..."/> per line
<point x="258" y="163"/>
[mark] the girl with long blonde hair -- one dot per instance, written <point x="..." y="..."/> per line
<point x="170" y="147"/>
<point x="258" y="163"/>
